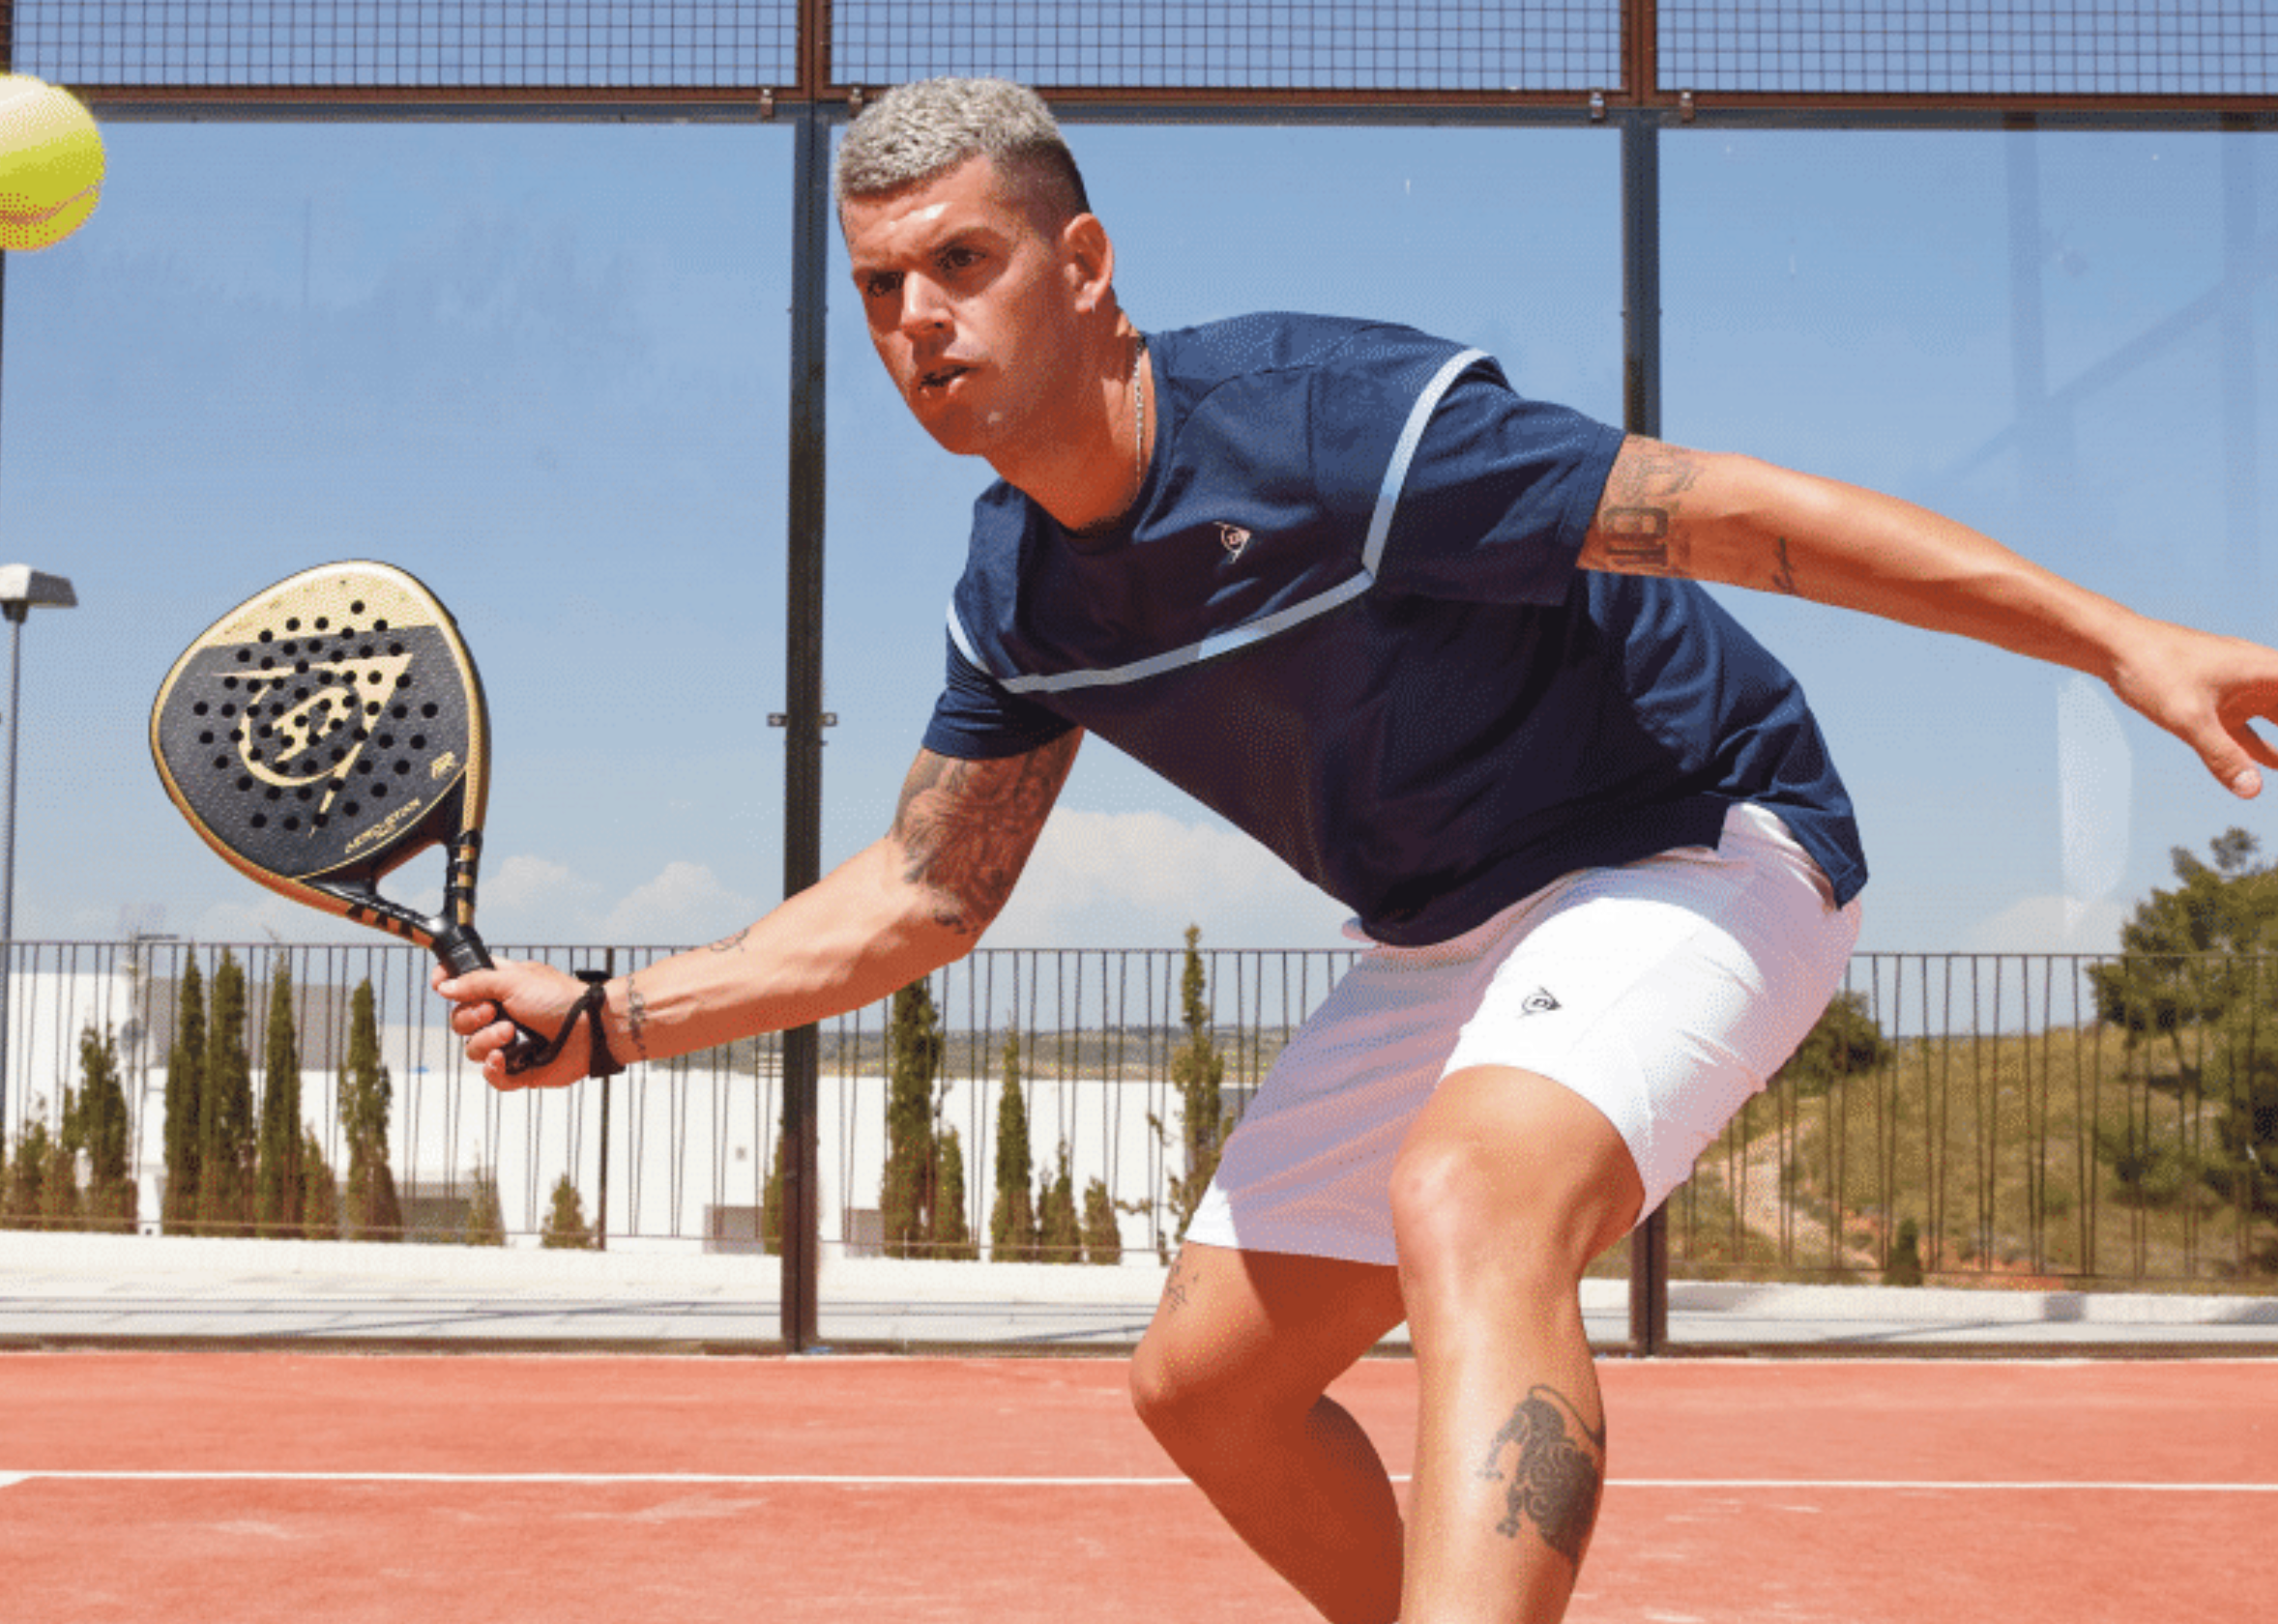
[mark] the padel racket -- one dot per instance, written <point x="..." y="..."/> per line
<point x="326" y="731"/>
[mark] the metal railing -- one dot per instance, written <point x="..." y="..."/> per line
<point x="1984" y="1121"/>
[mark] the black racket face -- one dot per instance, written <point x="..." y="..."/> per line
<point x="324" y="732"/>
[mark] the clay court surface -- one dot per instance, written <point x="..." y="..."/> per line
<point x="255" y="1486"/>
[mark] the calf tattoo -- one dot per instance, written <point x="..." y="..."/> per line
<point x="1555" y="1475"/>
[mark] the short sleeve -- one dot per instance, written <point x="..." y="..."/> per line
<point x="976" y="719"/>
<point x="1499" y="497"/>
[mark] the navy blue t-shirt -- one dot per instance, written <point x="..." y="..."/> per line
<point x="1344" y="613"/>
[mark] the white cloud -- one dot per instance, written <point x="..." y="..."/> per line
<point x="1138" y="879"/>
<point x="265" y="917"/>
<point x="2050" y="924"/>
<point x="685" y="903"/>
<point x="526" y="886"/>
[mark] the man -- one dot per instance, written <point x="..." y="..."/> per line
<point x="1441" y="650"/>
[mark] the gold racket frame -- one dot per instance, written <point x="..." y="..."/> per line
<point x="267" y="735"/>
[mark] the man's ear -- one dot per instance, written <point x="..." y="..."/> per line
<point x="1088" y="258"/>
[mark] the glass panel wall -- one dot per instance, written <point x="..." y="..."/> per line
<point x="541" y="368"/>
<point x="2058" y="339"/>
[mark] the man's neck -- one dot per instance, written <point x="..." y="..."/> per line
<point x="1088" y="473"/>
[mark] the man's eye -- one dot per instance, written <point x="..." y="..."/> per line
<point x="960" y="259"/>
<point x="884" y="285"/>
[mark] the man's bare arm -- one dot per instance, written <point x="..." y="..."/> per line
<point x="964" y="828"/>
<point x="908" y="904"/>
<point x="1712" y="516"/>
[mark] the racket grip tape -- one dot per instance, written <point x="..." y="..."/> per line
<point x="462" y="952"/>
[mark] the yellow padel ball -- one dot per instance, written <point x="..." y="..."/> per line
<point x="51" y="163"/>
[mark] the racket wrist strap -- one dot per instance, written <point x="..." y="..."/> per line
<point x="599" y="1063"/>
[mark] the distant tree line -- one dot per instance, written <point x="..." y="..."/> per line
<point x="922" y="1201"/>
<point x="2196" y="984"/>
<point x="236" y="1163"/>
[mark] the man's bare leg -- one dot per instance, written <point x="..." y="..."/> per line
<point x="1231" y="1379"/>
<point x="1506" y="1188"/>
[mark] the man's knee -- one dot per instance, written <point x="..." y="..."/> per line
<point x="1249" y="1342"/>
<point x="1170" y="1395"/>
<point x="1510" y="1173"/>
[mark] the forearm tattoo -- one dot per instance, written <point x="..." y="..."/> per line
<point x="1783" y="574"/>
<point x="636" y="1017"/>
<point x="966" y="828"/>
<point x="729" y="943"/>
<point x="1637" y="530"/>
<point x="1557" y="1466"/>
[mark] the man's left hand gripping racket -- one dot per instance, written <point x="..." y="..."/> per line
<point x="323" y="733"/>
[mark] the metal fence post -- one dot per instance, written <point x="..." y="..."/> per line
<point x="803" y="734"/>
<point x="601" y="1216"/>
<point x="1641" y="410"/>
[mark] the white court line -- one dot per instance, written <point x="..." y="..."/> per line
<point x="804" y="1480"/>
<point x="2020" y="1487"/>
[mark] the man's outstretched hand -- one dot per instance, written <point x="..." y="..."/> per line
<point x="2207" y="691"/>
<point x="541" y="998"/>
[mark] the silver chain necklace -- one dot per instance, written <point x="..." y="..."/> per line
<point x="1139" y="422"/>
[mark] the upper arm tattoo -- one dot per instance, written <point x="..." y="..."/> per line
<point x="1639" y="528"/>
<point x="966" y="828"/>
<point x="1666" y="511"/>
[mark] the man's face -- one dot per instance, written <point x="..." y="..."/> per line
<point x="970" y="303"/>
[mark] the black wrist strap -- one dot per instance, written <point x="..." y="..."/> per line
<point x="599" y="1063"/>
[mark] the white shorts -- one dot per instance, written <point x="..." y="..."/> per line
<point x="1664" y="992"/>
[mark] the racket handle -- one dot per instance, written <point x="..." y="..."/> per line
<point x="461" y="950"/>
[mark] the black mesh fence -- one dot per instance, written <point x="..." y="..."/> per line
<point x="1969" y="47"/>
<point x="409" y="44"/>
<point x="1510" y="45"/>
<point x="2021" y="50"/>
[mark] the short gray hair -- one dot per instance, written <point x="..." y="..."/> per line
<point x="917" y="131"/>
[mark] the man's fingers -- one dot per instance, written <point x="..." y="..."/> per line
<point x="2236" y="769"/>
<point x="2234" y="754"/>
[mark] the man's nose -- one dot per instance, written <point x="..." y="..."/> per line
<point x="924" y="306"/>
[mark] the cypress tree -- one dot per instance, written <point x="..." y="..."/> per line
<point x="320" y="1191"/>
<point x="185" y="1094"/>
<point x="97" y="1124"/>
<point x="906" y="1188"/>
<point x="371" y="1209"/>
<point x="59" y="1183"/>
<point x="1905" y="1267"/>
<point x="1198" y="1071"/>
<point x="565" y="1223"/>
<point x="770" y="1200"/>
<point x="1012" y="1218"/>
<point x="279" y="1195"/>
<point x="1060" y="1234"/>
<point x="226" y="1160"/>
<point x="952" y="1235"/>
<point x="486" y="1222"/>
<point x="1103" y="1236"/>
<point x="23" y="1203"/>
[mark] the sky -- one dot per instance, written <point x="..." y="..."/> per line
<point x="544" y="367"/>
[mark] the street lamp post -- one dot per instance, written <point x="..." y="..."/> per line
<point x="22" y="589"/>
